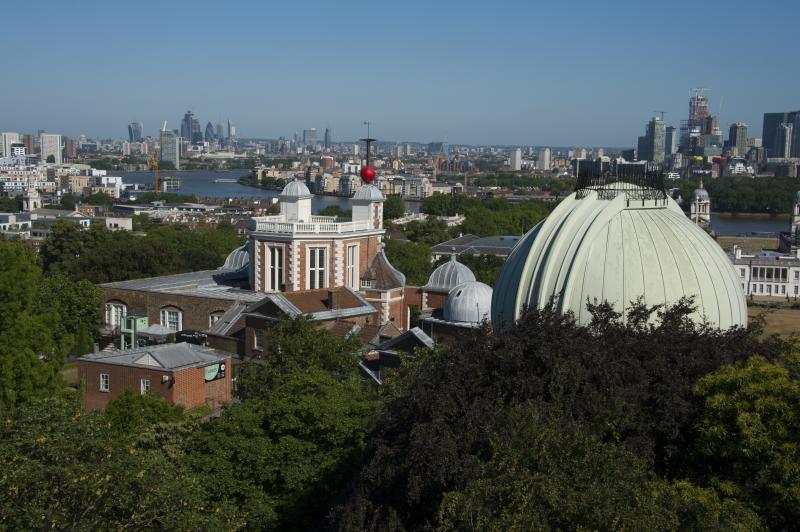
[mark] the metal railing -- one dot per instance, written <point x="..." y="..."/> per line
<point x="318" y="225"/>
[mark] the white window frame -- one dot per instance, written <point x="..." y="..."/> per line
<point x="165" y="318"/>
<point x="214" y="317"/>
<point x="352" y="272"/>
<point x="105" y="382"/>
<point x="257" y="340"/>
<point x="144" y="386"/>
<point x="317" y="270"/>
<point x="115" y="314"/>
<point x="276" y="274"/>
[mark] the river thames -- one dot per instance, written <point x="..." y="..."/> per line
<point x="201" y="183"/>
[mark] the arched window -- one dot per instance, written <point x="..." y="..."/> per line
<point x="172" y="318"/>
<point x="214" y="317"/>
<point x="115" y="314"/>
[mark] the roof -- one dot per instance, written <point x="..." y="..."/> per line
<point x="383" y="275"/>
<point x="227" y="323"/>
<point x="206" y="283"/>
<point x="616" y="249"/>
<point x="500" y="245"/>
<point x="170" y="357"/>
<point x="295" y="189"/>
<point x="450" y="274"/>
<point x="237" y="259"/>
<point x="314" y="304"/>
<point x="368" y="193"/>
<point x="469" y="302"/>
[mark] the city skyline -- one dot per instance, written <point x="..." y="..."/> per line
<point x="508" y="73"/>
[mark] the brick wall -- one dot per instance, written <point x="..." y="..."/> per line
<point x="196" y="310"/>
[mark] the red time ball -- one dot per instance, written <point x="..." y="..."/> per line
<point x="368" y="174"/>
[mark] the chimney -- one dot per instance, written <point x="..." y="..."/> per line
<point x="334" y="302"/>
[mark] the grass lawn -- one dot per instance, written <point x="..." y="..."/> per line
<point x="783" y="321"/>
<point x="749" y="244"/>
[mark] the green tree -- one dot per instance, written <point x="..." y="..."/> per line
<point x="74" y="307"/>
<point x="51" y="159"/>
<point x="69" y="470"/>
<point x="99" y="198"/>
<point x="748" y="436"/>
<point x="289" y="447"/>
<point x="129" y="413"/>
<point x="29" y="360"/>
<point x="411" y="258"/>
<point x="11" y="204"/>
<point x="163" y="164"/>
<point x="335" y="210"/>
<point x="393" y="207"/>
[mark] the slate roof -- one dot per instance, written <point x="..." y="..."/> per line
<point x="500" y="246"/>
<point x="169" y="357"/>
<point x="383" y="275"/>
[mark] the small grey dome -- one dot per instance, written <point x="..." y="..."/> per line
<point x="450" y="274"/>
<point x="700" y="194"/>
<point x="238" y="258"/>
<point x="469" y="302"/>
<point x="295" y="189"/>
<point x="369" y="193"/>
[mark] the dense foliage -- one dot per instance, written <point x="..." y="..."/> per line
<point x="770" y="195"/>
<point x="393" y="207"/>
<point x="101" y="255"/>
<point x="43" y="318"/>
<point x="487" y="217"/>
<point x="556" y="426"/>
<point x="485" y="267"/>
<point x="411" y="258"/>
<point x="523" y="183"/>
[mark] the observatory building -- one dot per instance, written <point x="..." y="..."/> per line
<point x="617" y="239"/>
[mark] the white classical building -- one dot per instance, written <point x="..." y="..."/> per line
<point x="618" y="242"/>
<point x="700" y="207"/>
<point x="296" y="250"/>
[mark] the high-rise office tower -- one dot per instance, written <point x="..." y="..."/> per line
<point x="770" y="129"/>
<point x="737" y="138"/>
<point x="783" y="141"/>
<point x="6" y="140"/>
<point x="516" y="160"/>
<point x="327" y="137"/>
<point x="656" y="133"/>
<point x="30" y="143"/>
<point x="543" y="160"/>
<point x="210" y="136"/>
<point x="643" y="148"/>
<point x="310" y="136"/>
<point x="50" y="147"/>
<point x="186" y="125"/>
<point x="197" y="132"/>
<point x="135" y="130"/>
<point x="220" y="133"/>
<point x="70" y="148"/>
<point x="670" y="140"/>
<point x="408" y="149"/>
<point x="795" y="151"/>
<point x="170" y="148"/>
<point x="231" y="131"/>
<point x="698" y="111"/>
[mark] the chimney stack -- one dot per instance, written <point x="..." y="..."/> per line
<point x="334" y="302"/>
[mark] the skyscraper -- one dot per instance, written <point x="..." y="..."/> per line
<point x="543" y="160"/>
<point x="186" y="125"/>
<point x="135" y="130"/>
<point x="70" y="148"/>
<point x="50" y="147"/>
<point x="783" y="141"/>
<point x="670" y="140"/>
<point x="310" y="136"/>
<point x="197" y="133"/>
<point x="30" y="143"/>
<point x="643" y="148"/>
<point x="327" y="138"/>
<point x="231" y="131"/>
<point x="656" y="131"/>
<point x="770" y="129"/>
<point x="210" y="136"/>
<point x="698" y="111"/>
<point x="516" y="160"/>
<point x="6" y="140"/>
<point x="220" y="132"/>
<point x="170" y="148"/>
<point x="737" y="138"/>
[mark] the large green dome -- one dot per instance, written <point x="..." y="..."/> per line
<point x="604" y="245"/>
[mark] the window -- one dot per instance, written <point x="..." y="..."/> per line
<point x="352" y="267"/>
<point x="115" y="314"/>
<point x="214" y="317"/>
<point x="796" y="275"/>
<point x="276" y="268"/>
<point x="741" y="272"/>
<point x="104" y="386"/>
<point x="257" y="340"/>
<point x="172" y="318"/>
<point x="144" y="386"/>
<point x="316" y="268"/>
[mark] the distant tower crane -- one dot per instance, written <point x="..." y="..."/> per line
<point x="661" y="112"/>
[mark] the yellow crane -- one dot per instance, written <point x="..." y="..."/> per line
<point x="152" y="161"/>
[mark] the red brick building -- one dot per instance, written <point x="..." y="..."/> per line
<point x="183" y="374"/>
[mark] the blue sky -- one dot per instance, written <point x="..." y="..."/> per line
<point x="500" y="72"/>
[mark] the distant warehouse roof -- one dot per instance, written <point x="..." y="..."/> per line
<point x="499" y="246"/>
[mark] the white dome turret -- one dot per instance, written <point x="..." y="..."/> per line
<point x="450" y="274"/>
<point x="295" y="201"/>
<point x="469" y="302"/>
<point x="295" y="189"/>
